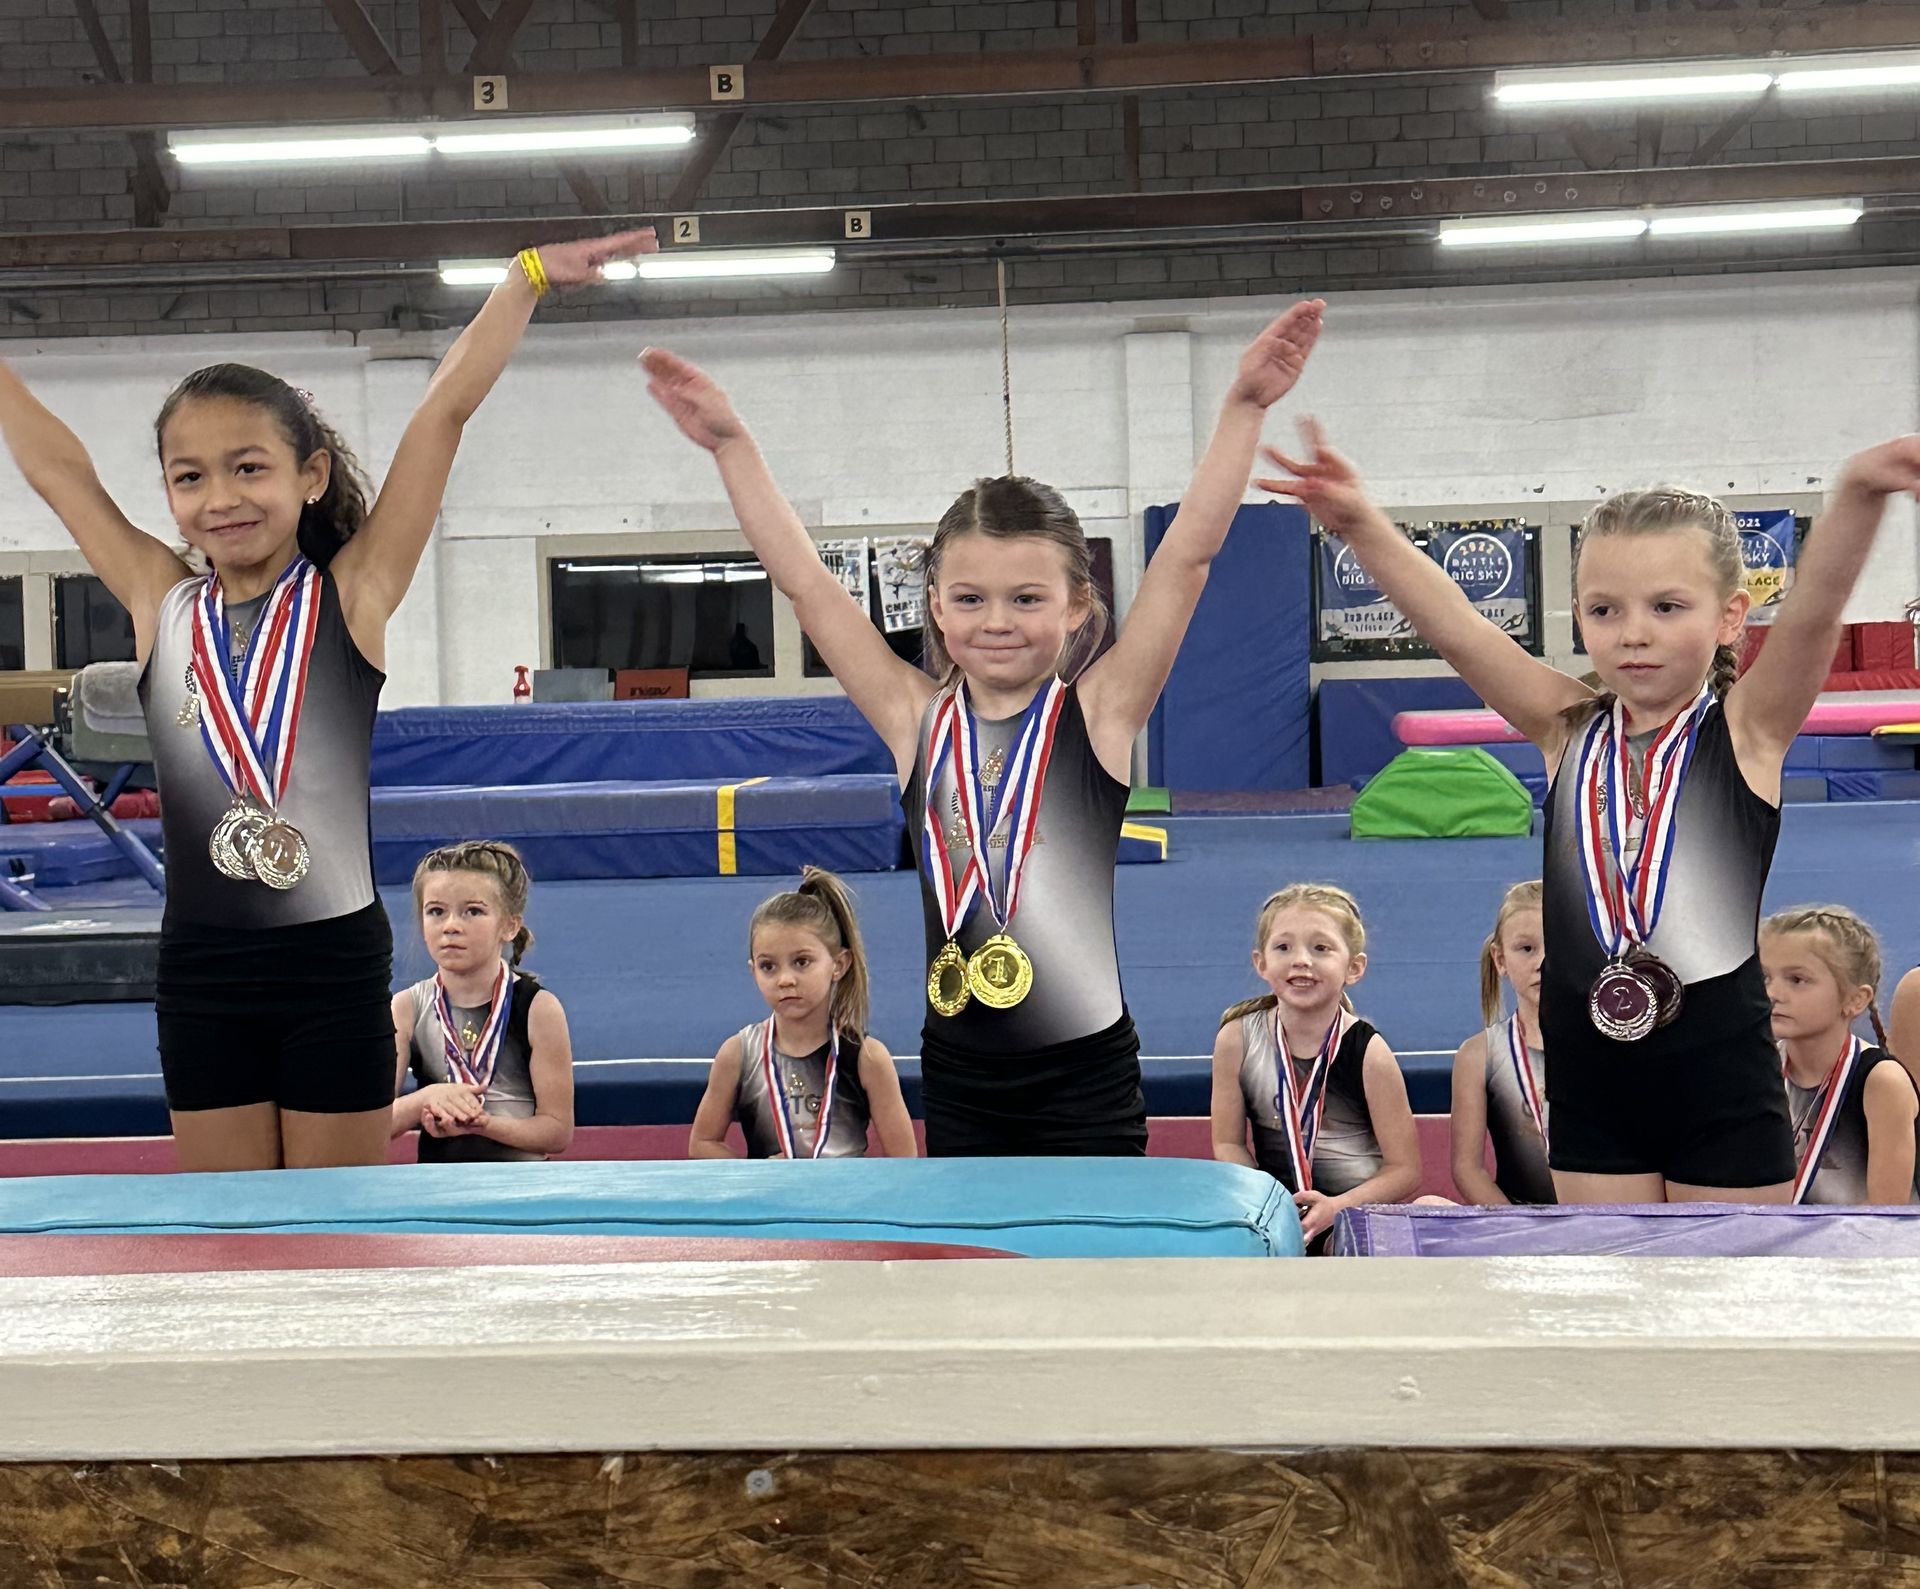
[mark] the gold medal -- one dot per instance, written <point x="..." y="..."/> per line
<point x="231" y="842"/>
<point x="947" y="981"/>
<point x="279" y="854"/>
<point x="1000" y="975"/>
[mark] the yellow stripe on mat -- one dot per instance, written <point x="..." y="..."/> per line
<point x="723" y="818"/>
<point x="1142" y="830"/>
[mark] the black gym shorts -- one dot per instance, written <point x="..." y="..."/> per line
<point x="299" y="1016"/>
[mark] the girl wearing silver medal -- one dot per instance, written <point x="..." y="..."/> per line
<point x="1852" y="1104"/>
<point x="806" y="1082"/>
<point x="1027" y="1045"/>
<point x="1662" y="815"/>
<point x="261" y="680"/>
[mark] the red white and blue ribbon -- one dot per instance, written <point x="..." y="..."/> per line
<point x="1625" y="894"/>
<point x="1300" y="1104"/>
<point x="1530" y="1093"/>
<point x="475" y="1069"/>
<point x="1826" y="1110"/>
<point x="1015" y="804"/>
<point x="954" y="895"/>
<point x="251" y="725"/>
<point x="782" y="1105"/>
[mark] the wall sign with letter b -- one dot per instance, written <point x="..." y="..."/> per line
<point x="726" y="82"/>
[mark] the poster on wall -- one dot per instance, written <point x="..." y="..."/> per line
<point x="899" y="566"/>
<point x="847" y="562"/>
<point x="1491" y="561"/>
<point x="1766" y="556"/>
<point x="1351" y="608"/>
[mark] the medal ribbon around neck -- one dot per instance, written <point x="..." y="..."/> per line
<point x="1016" y="803"/>
<point x="1625" y="897"/>
<point x="783" y="1109"/>
<point x="1523" y="1073"/>
<point x="251" y="725"/>
<point x="1826" y="1112"/>
<point x="1298" y="1105"/>
<point x="476" y="1070"/>
<point x="954" y="895"/>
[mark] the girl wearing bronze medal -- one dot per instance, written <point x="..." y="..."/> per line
<point x="1027" y="1045"/>
<point x="261" y="678"/>
<point x="1662" y="814"/>
<point x="806" y="1082"/>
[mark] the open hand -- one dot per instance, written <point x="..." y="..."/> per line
<point x="692" y="398"/>
<point x="577" y="263"/>
<point x="1273" y="360"/>
<point x="1324" y="483"/>
<point x="1891" y="469"/>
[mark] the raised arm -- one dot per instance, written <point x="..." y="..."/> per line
<point x="889" y="693"/>
<point x="133" y="565"/>
<point x="375" y="568"/>
<point x="1119" y="691"/>
<point x="1769" y="704"/>
<point x="1521" y="688"/>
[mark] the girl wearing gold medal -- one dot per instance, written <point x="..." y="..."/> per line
<point x="1015" y="752"/>
<point x="807" y="1082"/>
<point x="260" y="685"/>
<point x="1662" y="815"/>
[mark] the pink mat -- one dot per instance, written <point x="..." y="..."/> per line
<point x="1846" y="712"/>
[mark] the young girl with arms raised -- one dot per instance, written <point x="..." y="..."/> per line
<point x="1852" y="1106"/>
<point x="1318" y="1085"/>
<point x="487" y="1044"/>
<point x="1500" y="1074"/>
<point x="1015" y="757"/>
<point x="806" y="1082"/>
<point x="260" y="684"/>
<point x="1661" y="818"/>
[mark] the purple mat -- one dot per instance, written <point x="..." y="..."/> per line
<point x="1628" y="1230"/>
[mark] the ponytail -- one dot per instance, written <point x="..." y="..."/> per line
<point x="1246" y="1007"/>
<point x="1492" y="1006"/>
<point x="823" y="904"/>
<point x="1726" y="668"/>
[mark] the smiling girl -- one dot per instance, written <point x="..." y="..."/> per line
<point x="260" y="684"/>
<point x="1662" y="815"/>
<point x="1015" y="754"/>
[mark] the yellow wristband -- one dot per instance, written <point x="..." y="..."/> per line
<point x="534" y="271"/>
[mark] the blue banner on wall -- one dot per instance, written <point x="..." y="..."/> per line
<point x="1767" y="554"/>
<point x="1489" y="562"/>
<point x="1352" y="607"/>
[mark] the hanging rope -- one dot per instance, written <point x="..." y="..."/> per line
<point x="1006" y="365"/>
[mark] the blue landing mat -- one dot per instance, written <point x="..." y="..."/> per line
<point x="1044" y="1208"/>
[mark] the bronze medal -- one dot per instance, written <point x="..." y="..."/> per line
<point x="279" y="854"/>
<point x="1623" y="1003"/>
<point x="1000" y="975"/>
<point x="1669" y="992"/>
<point x="947" y="981"/>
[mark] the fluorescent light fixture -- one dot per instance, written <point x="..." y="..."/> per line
<point x="1843" y="73"/>
<point x="1625" y="84"/>
<point x="472" y="272"/>
<point x="459" y="139"/>
<point x="599" y="568"/>
<point x="779" y="262"/>
<point x="1545" y="229"/>
<point x="1755" y="218"/>
<point x="278" y="147"/>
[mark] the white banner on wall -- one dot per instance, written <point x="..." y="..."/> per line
<point x="847" y="562"/>
<point x="900" y="566"/>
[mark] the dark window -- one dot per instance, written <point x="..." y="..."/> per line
<point x="13" y="623"/>
<point x="88" y="624"/>
<point x="712" y="616"/>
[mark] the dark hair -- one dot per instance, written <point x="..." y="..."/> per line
<point x="502" y="863"/>
<point x="326" y="525"/>
<point x="1007" y="506"/>
<point x="824" y="906"/>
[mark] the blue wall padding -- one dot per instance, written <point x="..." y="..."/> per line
<point x="743" y="737"/>
<point x="1803" y="788"/>
<point x="849" y="823"/>
<point x="1044" y="1208"/>
<point x="1863" y="785"/>
<point x="1354" y="720"/>
<point x="1823" y="752"/>
<point x="1236" y="710"/>
<point x="121" y="1096"/>
<point x="64" y="854"/>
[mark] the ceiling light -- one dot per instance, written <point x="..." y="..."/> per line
<point x="1586" y="229"/>
<point x="564" y="135"/>
<point x="1755" y="218"/>
<point x="1840" y="73"/>
<point x="280" y="148"/>
<point x="780" y="262"/>
<point x="1619" y="85"/>
<point x="472" y="272"/>
<point x="457" y="140"/>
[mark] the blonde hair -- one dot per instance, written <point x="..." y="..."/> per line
<point x="1522" y="896"/>
<point x="1006" y="507"/>
<point x="1847" y="945"/>
<point x="1665" y="510"/>
<point x="499" y="862"/>
<point x="1328" y="898"/>
<point x="823" y="905"/>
